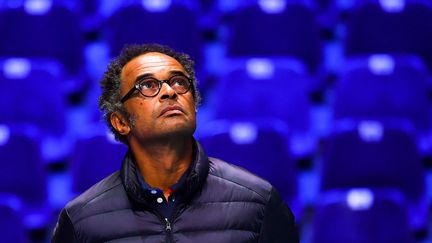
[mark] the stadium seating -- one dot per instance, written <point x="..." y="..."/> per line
<point x="361" y="215"/>
<point x="94" y="158"/>
<point x="258" y="145"/>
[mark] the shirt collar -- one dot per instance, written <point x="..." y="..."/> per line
<point x="197" y="176"/>
<point x="147" y="188"/>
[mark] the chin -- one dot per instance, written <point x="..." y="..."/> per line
<point x="180" y="128"/>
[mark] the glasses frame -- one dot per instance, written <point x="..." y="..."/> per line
<point x="136" y="87"/>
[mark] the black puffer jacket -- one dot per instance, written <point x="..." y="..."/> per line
<point x="219" y="203"/>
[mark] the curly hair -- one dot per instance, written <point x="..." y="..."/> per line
<point x="109" y="101"/>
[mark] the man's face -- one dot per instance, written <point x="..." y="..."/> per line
<point x="164" y="115"/>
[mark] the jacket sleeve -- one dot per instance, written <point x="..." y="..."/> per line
<point x="64" y="231"/>
<point x="279" y="224"/>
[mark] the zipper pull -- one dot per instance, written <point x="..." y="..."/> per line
<point x="168" y="225"/>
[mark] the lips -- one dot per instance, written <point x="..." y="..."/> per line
<point x="171" y="110"/>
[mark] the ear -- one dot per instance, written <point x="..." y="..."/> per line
<point x="120" y="123"/>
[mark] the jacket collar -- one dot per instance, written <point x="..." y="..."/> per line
<point x="194" y="181"/>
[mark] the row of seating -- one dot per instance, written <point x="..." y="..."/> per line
<point x="363" y="155"/>
<point x="12" y="226"/>
<point x="379" y="87"/>
<point x="294" y="32"/>
<point x="25" y="178"/>
<point x="260" y="111"/>
<point x="361" y="215"/>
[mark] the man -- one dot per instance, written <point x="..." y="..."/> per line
<point x="168" y="190"/>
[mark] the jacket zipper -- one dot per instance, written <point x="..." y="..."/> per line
<point x="167" y="225"/>
<point x="168" y="230"/>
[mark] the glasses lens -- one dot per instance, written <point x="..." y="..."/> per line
<point x="180" y="84"/>
<point x="149" y="87"/>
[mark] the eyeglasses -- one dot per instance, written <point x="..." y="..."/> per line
<point x="150" y="87"/>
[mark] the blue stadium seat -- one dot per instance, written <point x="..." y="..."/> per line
<point x="33" y="94"/>
<point x="268" y="88"/>
<point x="11" y="225"/>
<point x="403" y="26"/>
<point x="384" y="87"/>
<point x="264" y="87"/>
<point x="259" y="145"/>
<point x="374" y="154"/>
<point x="173" y="25"/>
<point x="361" y="215"/>
<point x="42" y="29"/>
<point x="94" y="158"/>
<point x="24" y="175"/>
<point x="286" y="29"/>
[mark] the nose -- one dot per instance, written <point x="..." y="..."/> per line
<point x="167" y="92"/>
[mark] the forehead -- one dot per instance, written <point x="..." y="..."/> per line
<point x="154" y="63"/>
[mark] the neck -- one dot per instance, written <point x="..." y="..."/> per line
<point x="162" y="163"/>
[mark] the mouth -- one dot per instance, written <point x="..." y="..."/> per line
<point x="171" y="110"/>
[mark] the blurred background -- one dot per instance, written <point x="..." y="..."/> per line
<point x="330" y="100"/>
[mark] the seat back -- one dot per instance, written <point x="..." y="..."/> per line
<point x="361" y="215"/>
<point x="260" y="146"/>
<point x="11" y="226"/>
<point x="264" y="87"/>
<point x="290" y="31"/>
<point x="45" y="30"/>
<point x="384" y="87"/>
<point x="371" y="154"/>
<point x="94" y="158"/>
<point x="390" y="28"/>
<point x="33" y="94"/>
<point x="177" y="27"/>
<point x="23" y="171"/>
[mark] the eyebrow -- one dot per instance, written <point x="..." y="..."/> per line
<point x="150" y="75"/>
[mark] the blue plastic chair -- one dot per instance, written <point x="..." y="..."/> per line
<point x="12" y="228"/>
<point x="33" y="94"/>
<point x="44" y="30"/>
<point x="259" y="145"/>
<point x="384" y="87"/>
<point x="264" y="87"/>
<point x="176" y="26"/>
<point x="24" y="175"/>
<point x="286" y="30"/>
<point x="94" y="158"/>
<point x="374" y="154"/>
<point x="361" y="215"/>
<point x="396" y="27"/>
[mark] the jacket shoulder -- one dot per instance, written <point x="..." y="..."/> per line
<point x="240" y="178"/>
<point x="278" y="223"/>
<point x="106" y="195"/>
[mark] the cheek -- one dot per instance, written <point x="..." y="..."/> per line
<point x="191" y="101"/>
<point x="143" y="112"/>
<point x="191" y="109"/>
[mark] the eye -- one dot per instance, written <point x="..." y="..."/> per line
<point x="147" y="84"/>
<point x="179" y="81"/>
